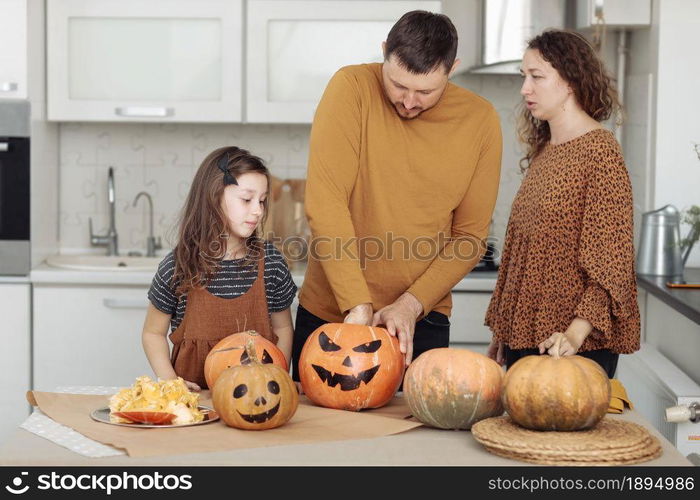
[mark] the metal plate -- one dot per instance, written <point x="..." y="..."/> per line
<point x="102" y="415"/>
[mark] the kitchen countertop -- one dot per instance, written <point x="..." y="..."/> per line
<point x="479" y="281"/>
<point x="685" y="301"/>
<point x="419" y="446"/>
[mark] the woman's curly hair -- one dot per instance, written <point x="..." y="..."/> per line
<point x="578" y="64"/>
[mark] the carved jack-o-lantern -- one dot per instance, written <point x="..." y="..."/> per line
<point x="255" y="396"/>
<point x="230" y="351"/>
<point x="350" y="367"/>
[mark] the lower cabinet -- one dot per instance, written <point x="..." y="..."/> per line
<point x="467" y="328"/>
<point x="14" y="356"/>
<point x="88" y="336"/>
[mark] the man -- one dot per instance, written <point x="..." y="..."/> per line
<point x="402" y="181"/>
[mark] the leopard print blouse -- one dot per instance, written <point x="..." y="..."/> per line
<point x="569" y="250"/>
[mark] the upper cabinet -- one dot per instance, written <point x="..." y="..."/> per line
<point x="13" y="56"/>
<point x="614" y="13"/>
<point x="295" y="46"/>
<point x="155" y="60"/>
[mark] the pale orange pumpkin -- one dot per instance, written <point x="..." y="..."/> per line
<point x="350" y="367"/>
<point x="452" y="388"/>
<point x="230" y="351"/>
<point x="255" y="396"/>
<point x="556" y="394"/>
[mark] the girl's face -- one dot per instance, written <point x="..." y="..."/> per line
<point x="243" y="204"/>
<point x="546" y="93"/>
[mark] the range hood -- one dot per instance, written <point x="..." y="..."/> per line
<point x="506" y="27"/>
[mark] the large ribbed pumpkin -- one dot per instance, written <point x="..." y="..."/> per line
<point x="230" y="351"/>
<point x="452" y="388"/>
<point x="350" y="367"/>
<point x="255" y="396"/>
<point x="556" y="394"/>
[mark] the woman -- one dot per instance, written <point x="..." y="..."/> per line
<point x="566" y="284"/>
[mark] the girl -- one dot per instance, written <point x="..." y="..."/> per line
<point x="567" y="284"/>
<point x="221" y="277"/>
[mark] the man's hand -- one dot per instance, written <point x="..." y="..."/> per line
<point x="361" y="314"/>
<point x="400" y="319"/>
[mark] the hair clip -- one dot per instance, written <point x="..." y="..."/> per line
<point x="223" y="166"/>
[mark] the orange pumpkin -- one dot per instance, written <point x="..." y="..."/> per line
<point x="230" y="351"/>
<point x="255" y="396"/>
<point x="453" y="388"/>
<point x="350" y="367"/>
<point x="556" y="394"/>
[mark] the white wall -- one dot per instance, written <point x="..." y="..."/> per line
<point x="676" y="167"/>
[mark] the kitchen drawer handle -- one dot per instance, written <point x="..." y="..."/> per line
<point x="125" y="303"/>
<point x="144" y="111"/>
<point x="8" y="87"/>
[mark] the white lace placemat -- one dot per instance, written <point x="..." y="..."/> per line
<point x="41" y="425"/>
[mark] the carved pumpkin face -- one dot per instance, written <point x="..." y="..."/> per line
<point x="255" y="396"/>
<point x="230" y="352"/>
<point x="350" y="367"/>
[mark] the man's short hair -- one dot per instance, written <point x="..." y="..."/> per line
<point x="422" y="41"/>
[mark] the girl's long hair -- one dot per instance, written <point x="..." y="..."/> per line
<point x="203" y="226"/>
<point x="578" y="64"/>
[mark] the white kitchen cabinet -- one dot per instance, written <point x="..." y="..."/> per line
<point x="160" y="60"/>
<point x="13" y="56"/>
<point x="88" y="335"/>
<point x="616" y="13"/>
<point x="15" y="355"/>
<point x="295" y="46"/>
<point x="467" y="319"/>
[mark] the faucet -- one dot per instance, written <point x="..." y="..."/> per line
<point x="152" y="243"/>
<point x="110" y="239"/>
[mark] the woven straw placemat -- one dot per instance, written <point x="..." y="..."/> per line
<point x="611" y="442"/>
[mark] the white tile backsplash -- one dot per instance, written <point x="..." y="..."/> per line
<point x="162" y="159"/>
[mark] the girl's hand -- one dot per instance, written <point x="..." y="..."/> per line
<point x="559" y="344"/>
<point x="192" y="386"/>
<point x="495" y="352"/>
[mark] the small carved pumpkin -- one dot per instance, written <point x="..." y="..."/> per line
<point x="544" y="393"/>
<point x="350" y="367"/>
<point x="230" y="351"/>
<point x="255" y="396"/>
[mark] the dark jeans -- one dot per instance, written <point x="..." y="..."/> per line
<point x="604" y="357"/>
<point x="431" y="332"/>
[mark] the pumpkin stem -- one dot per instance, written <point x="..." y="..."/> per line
<point x="250" y="349"/>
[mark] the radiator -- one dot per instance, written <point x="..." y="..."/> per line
<point x="653" y="384"/>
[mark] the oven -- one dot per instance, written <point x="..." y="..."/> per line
<point x="15" y="256"/>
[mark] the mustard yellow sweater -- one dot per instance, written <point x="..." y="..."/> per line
<point x="396" y="205"/>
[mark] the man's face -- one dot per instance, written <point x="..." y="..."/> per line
<point x="411" y="94"/>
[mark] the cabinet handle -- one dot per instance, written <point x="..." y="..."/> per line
<point x="8" y="87"/>
<point x="125" y="303"/>
<point x="144" y="111"/>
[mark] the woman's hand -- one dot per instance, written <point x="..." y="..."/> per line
<point x="568" y="343"/>
<point x="559" y="344"/>
<point x="495" y="352"/>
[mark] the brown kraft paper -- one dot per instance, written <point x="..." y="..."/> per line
<point x="310" y="424"/>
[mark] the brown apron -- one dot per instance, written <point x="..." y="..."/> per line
<point x="209" y="318"/>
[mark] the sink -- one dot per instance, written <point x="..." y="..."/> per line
<point x="104" y="263"/>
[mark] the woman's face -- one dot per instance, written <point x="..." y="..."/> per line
<point x="546" y="94"/>
<point x="243" y="204"/>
